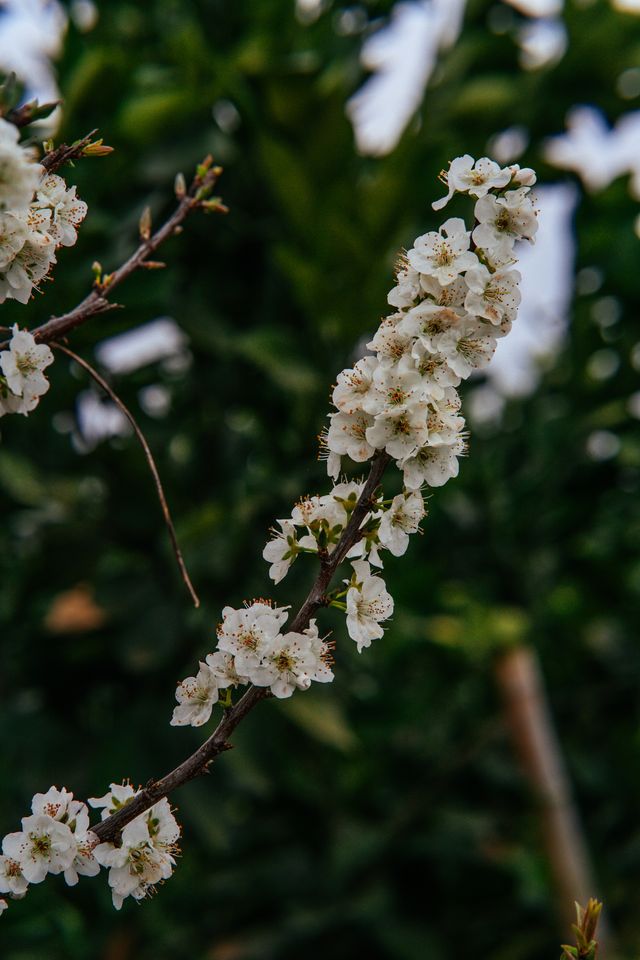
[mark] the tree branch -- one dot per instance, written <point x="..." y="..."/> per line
<point x="150" y="461"/>
<point x="199" y="762"/>
<point x="97" y="301"/>
<point x="55" y="159"/>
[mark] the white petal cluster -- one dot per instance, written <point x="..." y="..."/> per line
<point x="22" y="381"/>
<point x="253" y="649"/>
<point x="55" y="838"/>
<point x="147" y="848"/>
<point x="38" y="214"/>
<point x="456" y="295"/>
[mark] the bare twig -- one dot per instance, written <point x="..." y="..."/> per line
<point x="199" y="762"/>
<point x="151" y="462"/>
<point x="97" y="301"/>
<point x="531" y="726"/>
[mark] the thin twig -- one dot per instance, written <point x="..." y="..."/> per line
<point x="199" y="762"/>
<point x="97" y="301"/>
<point x="151" y="462"/>
<point x="55" y="159"/>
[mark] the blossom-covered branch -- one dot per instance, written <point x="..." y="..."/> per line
<point x="456" y="295"/>
<point x="199" y="761"/>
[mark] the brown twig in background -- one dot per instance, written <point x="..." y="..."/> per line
<point x="151" y="462"/>
<point x="199" y="762"/>
<point x="519" y="678"/>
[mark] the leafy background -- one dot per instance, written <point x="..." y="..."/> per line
<point x="387" y="816"/>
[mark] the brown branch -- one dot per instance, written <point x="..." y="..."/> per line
<point x="150" y="461"/>
<point x="53" y="160"/>
<point x="97" y="301"/>
<point x="530" y="722"/>
<point x="199" y="762"/>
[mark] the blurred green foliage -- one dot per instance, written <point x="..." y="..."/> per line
<point x="387" y="816"/>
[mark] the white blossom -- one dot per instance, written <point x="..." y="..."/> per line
<point x="399" y="521"/>
<point x="390" y="342"/>
<point x="476" y="177"/>
<point x="347" y="435"/>
<point x="494" y="296"/>
<point x="223" y="667"/>
<point x="19" y="174"/>
<point x="430" y="323"/>
<point x="22" y="364"/>
<point x="246" y="633"/>
<point x="353" y="385"/>
<point x="118" y="795"/>
<point x="292" y="662"/>
<point x="408" y="287"/>
<point x="436" y="373"/>
<point x="503" y="220"/>
<point x="433" y="465"/>
<point x="368" y="605"/>
<point x="196" y="697"/>
<point x="394" y="390"/>
<point x="135" y="866"/>
<point x="443" y="423"/>
<point x="400" y="434"/>
<point x="12" y="879"/>
<point x="84" y="863"/>
<point x="451" y="295"/>
<point x="43" y="846"/>
<point x="66" y="210"/>
<point x="13" y="233"/>
<point x="446" y="254"/>
<point x="468" y="347"/>
<point x="281" y="550"/>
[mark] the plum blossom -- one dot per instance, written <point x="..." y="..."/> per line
<point x="66" y="211"/>
<point x="399" y="521"/>
<point x="19" y="173"/>
<point x="446" y="254"/>
<point x="247" y="633"/>
<point x="196" y="697"/>
<point x="433" y="465"/>
<point x="503" y="220"/>
<point x="22" y="365"/>
<point x="494" y="296"/>
<point x="368" y="605"/>
<point x="137" y="865"/>
<point x="43" y="846"/>
<point x="476" y="177"/>
<point x="118" y="795"/>
<point x="468" y="347"/>
<point x="347" y="435"/>
<point x="353" y="385"/>
<point x="12" y="879"/>
<point x="292" y="661"/>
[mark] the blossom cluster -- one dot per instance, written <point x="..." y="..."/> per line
<point x="38" y="214"/>
<point x="456" y="295"/>
<point x="252" y="648"/>
<point x="57" y="838"/>
<point x="22" y="381"/>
